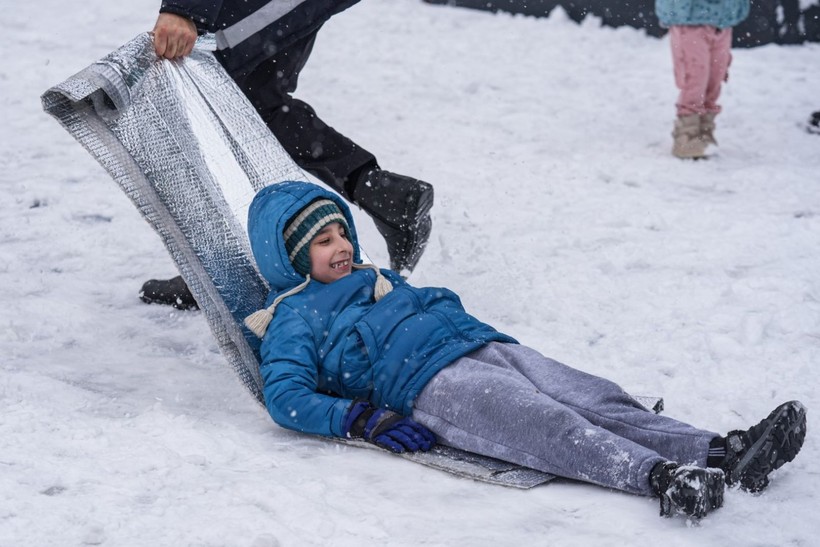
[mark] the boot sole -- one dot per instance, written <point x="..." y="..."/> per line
<point x="779" y="444"/>
<point x="715" y="486"/>
<point x="692" y="156"/>
<point x="425" y="202"/>
<point x="698" y="495"/>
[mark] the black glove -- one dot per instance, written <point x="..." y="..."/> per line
<point x="387" y="429"/>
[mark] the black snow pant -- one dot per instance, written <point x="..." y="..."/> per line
<point x="314" y="146"/>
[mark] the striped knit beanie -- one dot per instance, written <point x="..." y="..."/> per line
<point x="302" y="228"/>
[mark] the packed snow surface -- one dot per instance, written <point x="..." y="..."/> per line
<point x="560" y="217"/>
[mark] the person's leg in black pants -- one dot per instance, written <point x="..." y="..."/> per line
<point x="398" y="205"/>
<point x="314" y="146"/>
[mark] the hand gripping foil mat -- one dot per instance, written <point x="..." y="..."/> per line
<point x="189" y="150"/>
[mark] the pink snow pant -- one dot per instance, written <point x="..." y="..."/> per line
<point x="701" y="55"/>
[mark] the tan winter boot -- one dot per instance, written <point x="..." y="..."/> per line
<point x="688" y="143"/>
<point x="707" y="128"/>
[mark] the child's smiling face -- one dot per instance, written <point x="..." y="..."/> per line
<point x="331" y="254"/>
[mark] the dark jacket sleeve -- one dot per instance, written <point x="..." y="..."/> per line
<point x="201" y="12"/>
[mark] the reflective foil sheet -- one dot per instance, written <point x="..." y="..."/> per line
<point x="189" y="150"/>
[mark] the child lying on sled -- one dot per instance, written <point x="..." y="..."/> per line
<point x="349" y="350"/>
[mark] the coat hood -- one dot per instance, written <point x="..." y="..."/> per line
<point x="271" y="210"/>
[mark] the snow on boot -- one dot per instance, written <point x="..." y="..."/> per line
<point x="693" y="491"/>
<point x="752" y="454"/>
<point x="707" y="128"/>
<point x="400" y="208"/>
<point x="688" y="143"/>
<point x="173" y="292"/>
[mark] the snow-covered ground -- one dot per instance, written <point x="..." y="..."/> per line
<point x="561" y="218"/>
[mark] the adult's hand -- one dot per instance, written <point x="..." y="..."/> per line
<point x="174" y="36"/>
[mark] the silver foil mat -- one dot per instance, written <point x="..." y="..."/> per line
<point x="186" y="146"/>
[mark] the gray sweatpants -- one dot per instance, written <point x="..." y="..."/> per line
<point x="512" y="403"/>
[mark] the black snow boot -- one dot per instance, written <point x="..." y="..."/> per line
<point x="814" y="123"/>
<point x="400" y="208"/>
<point x="752" y="454"/>
<point x="691" y="490"/>
<point x="173" y="292"/>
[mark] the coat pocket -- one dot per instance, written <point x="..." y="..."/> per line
<point x="370" y="345"/>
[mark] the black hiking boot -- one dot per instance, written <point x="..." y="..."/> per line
<point x="752" y="454"/>
<point x="691" y="490"/>
<point x="400" y="208"/>
<point x="173" y="292"/>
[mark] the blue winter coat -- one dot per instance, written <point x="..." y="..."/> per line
<point x="717" y="13"/>
<point x="331" y="343"/>
<point x="250" y="31"/>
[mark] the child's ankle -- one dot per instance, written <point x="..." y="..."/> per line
<point x="717" y="452"/>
